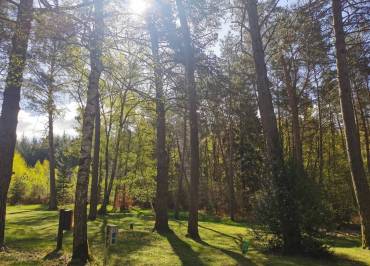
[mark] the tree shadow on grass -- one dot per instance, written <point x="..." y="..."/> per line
<point x="183" y="250"/>
<point x="220" y="233"/>
<point x="343" y="242"/>
<point x="345" y="260"/>
<point x="35" y="219"/>
<point x="128" y="242"/>
<point x="38" y="208"/>
<point x="239" y="258"/>
<point x="55" y="254"/>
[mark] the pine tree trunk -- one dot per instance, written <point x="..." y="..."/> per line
<point x="365" y="128"/>
<point x="232" y="198"/>
<point x="360" y="184"/>
<point x="293" y="104"/>
<point x="95" y="167"/>
<point x="53" y="192"/>
<point x="189" y="59"/>
<point x="80" y="245"/>
<point x="288" y="212"/>
<point x="348" y="179"/>
<point x="320" y="144"/>
<point x="161" y="216"/>
<point x="10" y="106"/>
<point x="182" y="170"/>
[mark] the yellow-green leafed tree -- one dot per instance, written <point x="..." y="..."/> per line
<point x="29" y="184"/>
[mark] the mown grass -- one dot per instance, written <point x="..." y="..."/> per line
<point x="31" y="232"/>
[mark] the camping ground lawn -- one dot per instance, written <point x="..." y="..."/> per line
<point x="31" y="237"/>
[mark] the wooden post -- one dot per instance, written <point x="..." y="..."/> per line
<point x="60" y="232"/>
<point x="65" y="223"/>
<point x="111" y="235"/>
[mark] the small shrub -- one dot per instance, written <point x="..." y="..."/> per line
<point x="18" y="190"/>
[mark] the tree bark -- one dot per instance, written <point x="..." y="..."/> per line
<point x="189" y="62"/>
<point x="161" y="217"/>
<point x="10" y="106"/>
<point x="95" y="166"/>
<point x="80" y="245"/>
<point x="287" y="210"/>
<point x="360" y="183"/>
<point x="53" y="192"/>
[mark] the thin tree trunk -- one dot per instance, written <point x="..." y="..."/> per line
<point x="108" y="128"/>
<point x="215" y="156"/>
<point x="361" y="186"/>
<point x="108" y="191"/>
<point x="53" y="203"/>
<point x="116" y="197"/>
<point x="320" y="144"/>
<point x="100" y="180"/>
<point x="227" y="162"/>
<point x="230" y="155"/>
<point x="182" y="170"/>
<point x="347" y="178"/>
<point x="365" y="128"/>
<point x="188" y="54"/>
<point x="10" y="106"/>
<point x="53" y="192"/>
<point x="293" y="104"/>
<point x="289" y="223"/>
<point x="124" y="204"/>
<point x="161" y="217"/>
<point x="95" y="167"/>
<point x="80" y="245"/>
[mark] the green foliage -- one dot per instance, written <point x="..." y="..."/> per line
<point x="141" y="177"/>
<point x="64" y="184"/>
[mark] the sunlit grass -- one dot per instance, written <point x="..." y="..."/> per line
<point x="31" y="232"/>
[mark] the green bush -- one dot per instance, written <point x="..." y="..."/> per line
<point x="313" y="212"/>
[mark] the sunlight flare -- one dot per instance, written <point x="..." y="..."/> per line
<point x="139" y="6"/>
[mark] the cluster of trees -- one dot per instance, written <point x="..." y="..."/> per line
<point x="29" y="184"/>
<point x="31" y="171"/>
<point x="275" y="127"/>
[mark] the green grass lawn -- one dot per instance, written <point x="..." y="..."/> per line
<point x="31" y="232"/>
